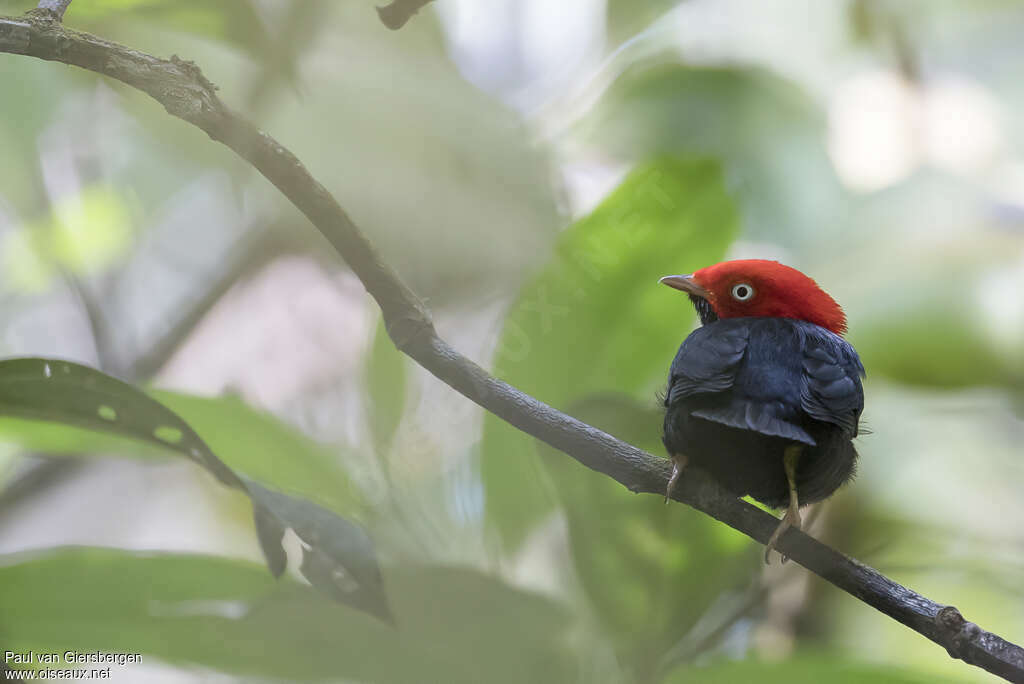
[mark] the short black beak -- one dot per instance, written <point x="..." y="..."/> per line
<point x="685" y="283"/>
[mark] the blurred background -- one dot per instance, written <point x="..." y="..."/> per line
<point x="531" y="168"/>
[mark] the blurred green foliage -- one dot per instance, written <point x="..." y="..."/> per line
<point x="386" y="389"/>
<point x="248" y="441"/>
<point x="666" y="565"/>
<point x="760" y="127"/>
<point x="338" y="558"/>
<point x="502" y="560"/>
<point x="236" y="22"/>
<point x="85" y="234"/>
<point x="231" y="616"/>
<point x="252" y="442"/>
<point x="593" y="319"/>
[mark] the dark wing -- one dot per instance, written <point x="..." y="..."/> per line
<point x="707" y="361"/>
<point x="831" y="389"/>
<point x="751" y="415"/>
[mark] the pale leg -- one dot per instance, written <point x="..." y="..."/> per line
<point x="679" y="462"/>
<point x="790" y="458"/>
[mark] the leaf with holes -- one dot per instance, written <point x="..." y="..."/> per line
<point x="338" y="557"/>
<point x="69" y="393"/>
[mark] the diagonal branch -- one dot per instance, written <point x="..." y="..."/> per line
<point x="183" y="91"/>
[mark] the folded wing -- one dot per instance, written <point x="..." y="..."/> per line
<point x="831" y="389"/>
<point x="707" y="361"/>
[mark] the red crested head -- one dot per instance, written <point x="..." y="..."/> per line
<point x="759" y="288"/>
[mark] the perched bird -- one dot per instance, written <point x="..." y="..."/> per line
<point x="766" y="395"/>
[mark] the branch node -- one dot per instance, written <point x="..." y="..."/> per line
<point x="193" y="71"/>
<point x="407" y="329"/>
<point x="957" y="632"/>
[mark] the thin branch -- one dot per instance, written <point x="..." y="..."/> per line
<point x="38" y="475"/>
<point x="183" y="91"/>
<point x="58" y="7"/>
<point x="699" y="640"/>
<point x="258" y="249"/>
<point x="99" y="326"/>
<point x="398" y="12"/>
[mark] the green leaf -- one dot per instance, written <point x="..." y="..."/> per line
<point x="261" y="447"/>
<point x="765" y="131"/>
<point x="942" y="311"/>
<point x="68" y="393"/>
<point x="456" y="625"/>
<point x="340" y="559"/>
<point x="72" y="394"/>
<point x="937" y="342"/>
<point x="385" y="386"/>
<point x="649" y="570"/>
<point x="596" y="320"/>
<point x="252" y="443"/>
<point x="455" y="158"/>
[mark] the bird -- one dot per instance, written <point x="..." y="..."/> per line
<point x="765" y="395"/>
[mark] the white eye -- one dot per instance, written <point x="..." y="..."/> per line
<point x="742" y="292"/>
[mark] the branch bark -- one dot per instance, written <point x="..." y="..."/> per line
<point x="185" y="93"/>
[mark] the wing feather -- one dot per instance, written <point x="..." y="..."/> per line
<point x="831" y="389"/>
<point x="707" y="361"/>
<point x="826" y="369"/>
<point x="748" y="415"/>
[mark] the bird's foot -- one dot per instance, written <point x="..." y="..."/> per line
<point x="678" y="465"/>
<point x="790" y="519"/>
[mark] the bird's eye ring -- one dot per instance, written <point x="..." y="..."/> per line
<point x="742" y="292"/>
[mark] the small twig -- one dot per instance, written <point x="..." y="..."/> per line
<point x="398" y="12"/>
<point x="258" y="250"/>
<point x="99" y="326"/>
<point x="184" y="92"/>
<point x="57" y="7"/>
<point x="907" y="59"/>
